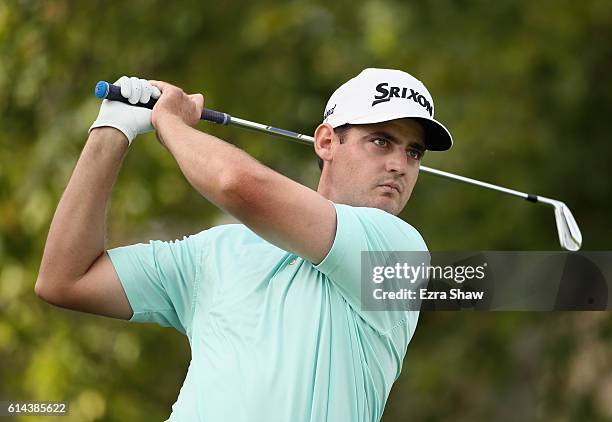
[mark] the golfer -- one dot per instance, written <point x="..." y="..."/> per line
<point x="271" y="307"/>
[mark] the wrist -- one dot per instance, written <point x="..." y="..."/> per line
<point x="167" y="120"/>
<point x="106" y="142"/>
<point x="108" y="134"/>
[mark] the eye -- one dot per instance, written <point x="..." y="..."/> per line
<point x="380" y="142"/>
<point x="415" y="154"/>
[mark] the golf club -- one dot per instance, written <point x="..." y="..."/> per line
<point x="570" y="237"/>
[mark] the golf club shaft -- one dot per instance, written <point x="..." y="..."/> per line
<point x="570" y="237"/>
<point x="309" y="140"/>
<point x="113" y="92"/>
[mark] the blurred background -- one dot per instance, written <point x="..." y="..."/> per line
<point x="524" y="87"/>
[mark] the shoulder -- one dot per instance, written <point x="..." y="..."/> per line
<point x="377" y="221"/>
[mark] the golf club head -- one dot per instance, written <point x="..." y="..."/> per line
<point x="570" y="237"/>
<point x="569" y="233"/>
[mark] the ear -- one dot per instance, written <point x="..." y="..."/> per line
<point x="324" y="139"/>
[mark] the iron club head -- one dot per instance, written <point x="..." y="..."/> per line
<point x="570" y="237"/>
<point x="569" y="233"/>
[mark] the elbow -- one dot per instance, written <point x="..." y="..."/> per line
<point x="43" y="285"/>
<point x="47" y="291"/>
<point x="41" y="289"/>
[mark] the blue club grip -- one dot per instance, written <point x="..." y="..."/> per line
<point x="215" y="116"/>
<point x="104" y="90"/>
<point x="113" y="92"/>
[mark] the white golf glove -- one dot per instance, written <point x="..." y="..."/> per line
<point x="132" y="121"/>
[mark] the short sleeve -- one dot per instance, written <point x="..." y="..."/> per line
<point x="161" y="278"/>
<point x="367" y="229"/>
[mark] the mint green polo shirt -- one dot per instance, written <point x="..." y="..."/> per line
<point x="274" y="337"/>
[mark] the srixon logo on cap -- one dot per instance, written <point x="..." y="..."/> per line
<point x="329" y="112"/>
<point x="386" y="93"/>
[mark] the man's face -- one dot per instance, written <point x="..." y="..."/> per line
<point x="376" y="165"/>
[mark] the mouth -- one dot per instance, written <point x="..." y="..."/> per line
<point x="391" y="186"/>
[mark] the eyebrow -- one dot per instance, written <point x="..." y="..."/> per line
<point x="386" y="135"/>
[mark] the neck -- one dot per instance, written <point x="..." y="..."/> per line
<point x="325" y="187"/>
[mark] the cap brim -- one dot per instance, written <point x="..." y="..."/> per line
<point x="437" y="137"/>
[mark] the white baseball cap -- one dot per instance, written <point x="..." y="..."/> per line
<point x="379" y="95"/>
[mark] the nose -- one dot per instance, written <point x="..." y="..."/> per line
<point x="397" y="162"/>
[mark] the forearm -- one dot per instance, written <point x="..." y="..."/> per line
<point x="77" y="233"/>
<point x="262" y="199"/>
<point x="212" y="166"/>
<point x="281" y="211"/>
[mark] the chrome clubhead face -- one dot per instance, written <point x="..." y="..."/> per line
<point x="570" y="237"/>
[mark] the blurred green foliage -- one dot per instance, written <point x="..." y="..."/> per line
<point x="524" y="87"/>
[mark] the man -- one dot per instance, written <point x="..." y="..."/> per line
<point x="271" y="307"/>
